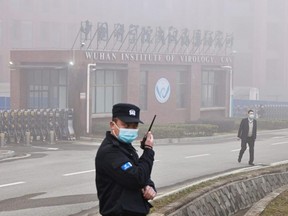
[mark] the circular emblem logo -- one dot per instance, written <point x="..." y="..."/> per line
<point x="162" y="90"/>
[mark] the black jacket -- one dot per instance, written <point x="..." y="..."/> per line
<point x="244" y="129"/>
<point x="120" y="176"/>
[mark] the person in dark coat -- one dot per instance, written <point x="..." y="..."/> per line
<point x="247" y="133"/>
<point x="123" y="180"/>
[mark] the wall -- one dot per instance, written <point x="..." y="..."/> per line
<point x="229" y="199"/>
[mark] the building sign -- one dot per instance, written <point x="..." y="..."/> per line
<point x="162" y="90"/>
<point x="133" y="43"/>
<point x="158" y="39"/>
<point x="128" y="57"/>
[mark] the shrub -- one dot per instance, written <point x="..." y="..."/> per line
<point x="224" y="125"/>
<point x="181" y="130"/>
<point x="194" y="129"/>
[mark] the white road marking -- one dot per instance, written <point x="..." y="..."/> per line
<point x="194" y="156"/>
<point x="78" y="173"/>
<point x="279" y="143"/>
<point x="11" y="184"/>
<point x="234" y="150"/>
<point x="53" y="149"/>
<point x="47" y="148"/>
<point x="280" y="137"/>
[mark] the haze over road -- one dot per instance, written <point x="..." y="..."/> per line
<point x="59" y="179"/>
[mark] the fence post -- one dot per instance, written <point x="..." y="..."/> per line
<point x="52" y="137"/>
<point x="2" y="139"/>
<point x="28" y="138"/>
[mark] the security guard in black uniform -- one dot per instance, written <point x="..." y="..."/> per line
<point x="122" y="178"/>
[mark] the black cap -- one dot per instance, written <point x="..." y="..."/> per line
<point x="127" y="113"/>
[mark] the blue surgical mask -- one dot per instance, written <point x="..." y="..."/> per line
<point x="127" y="135"/>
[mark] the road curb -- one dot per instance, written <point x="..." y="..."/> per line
<point x="260" y="206"/>
<point x="177" y="207"/>
<point x="6" y="154"/>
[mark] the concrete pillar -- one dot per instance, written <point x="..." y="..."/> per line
<point x="52" y="137"/>
<point x="2" y="139"/>
<point x="27" y="137"/>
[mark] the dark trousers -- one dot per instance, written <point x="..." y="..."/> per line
<point x="250" y="142"/>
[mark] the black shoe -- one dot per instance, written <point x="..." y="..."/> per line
<point x="239" y="160"/>
<point x="251" y="164"/>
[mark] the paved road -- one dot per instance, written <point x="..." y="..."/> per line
<point x="59" y="179"/>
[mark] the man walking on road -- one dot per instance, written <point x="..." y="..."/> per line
<point x="247" y="133"/>
<point x="122" y="178"/>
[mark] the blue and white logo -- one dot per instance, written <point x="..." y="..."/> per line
<point x="162" y="90"/>
<point x="126" y="166"/>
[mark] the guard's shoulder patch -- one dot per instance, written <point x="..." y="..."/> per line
<point x="126" y="166"/>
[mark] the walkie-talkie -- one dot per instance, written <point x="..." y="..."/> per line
<point x="145" y="137"/>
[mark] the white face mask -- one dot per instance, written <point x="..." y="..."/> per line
<point x="251" y="116"/>
<point x="127" y="135"/>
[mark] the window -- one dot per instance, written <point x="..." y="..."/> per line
<point x="213" y="88"/>
<point x="275" y="37"/>
<point x="1" y="65"/>
<point x="143" y="90"/>
<point x="15" y="30"/>
<point x="56" y="38"/>
<point x="21" y="5"/>
<point x="276" y="9"/>
<point x="26" y="34"/>
<point x="107" y="88"/>
<point x="47" y="88"/>
<point x="44" y="33"/>
<point x="273" y="71"/>
<point x="4" y="103"/>
<point x="238" y="8"/>
<point x="22" y="34"/>
<point x="207" y="88"/>
<point x="1" y="35"/>
<point x="181" y="89"/>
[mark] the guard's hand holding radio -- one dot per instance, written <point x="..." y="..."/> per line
<point x="145" y="137"/>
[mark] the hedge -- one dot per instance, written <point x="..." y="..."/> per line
<point x="194" y="129"/>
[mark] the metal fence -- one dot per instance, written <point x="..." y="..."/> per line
<point x="38" y="123"/>
<point x="263" y="109"/>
